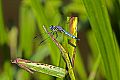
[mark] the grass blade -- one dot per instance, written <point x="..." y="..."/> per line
<point x="73" y="31"/>
<point x="95" y="68"/>
<point x="41" y="18"/>
<point x="27" y="28"/>
<point x="3" y="34"/>
<point x="40" y="67"/>
<point x="64" y="54"/>
<point x="98" y="17"/>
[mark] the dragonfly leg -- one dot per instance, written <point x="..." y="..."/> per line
<point x="56" y="34"/>
<point x="52" y="33"/>
<point x="71" y="44"/>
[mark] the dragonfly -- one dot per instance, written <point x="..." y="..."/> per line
<point x="55" y="29"/>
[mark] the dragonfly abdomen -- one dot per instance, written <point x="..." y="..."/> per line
<point x="72" y="36"/>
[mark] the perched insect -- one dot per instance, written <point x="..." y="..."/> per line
<point x="55" y="29"/>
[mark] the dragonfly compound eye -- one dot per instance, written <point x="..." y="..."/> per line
<point x="51" y="27"/>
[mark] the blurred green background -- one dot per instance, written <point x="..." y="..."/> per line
<point x="97" y="56"/>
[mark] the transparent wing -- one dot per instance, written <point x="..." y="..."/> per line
<point x="39" y="40"/>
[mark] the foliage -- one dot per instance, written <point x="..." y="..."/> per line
<point x="97" y="54"/>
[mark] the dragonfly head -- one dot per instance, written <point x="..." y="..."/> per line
<point x="51" y="27"/>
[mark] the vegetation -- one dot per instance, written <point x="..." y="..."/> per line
<point x="96" y="56"/>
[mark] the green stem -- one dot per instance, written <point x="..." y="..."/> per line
<point x="64" y="54"/>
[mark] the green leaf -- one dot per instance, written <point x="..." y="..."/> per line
<point x="3" y="34"/>
<point x="42" y="18"/>
<point x="27" y="28"/>
<point x="99" y="20"/>
<point x="40" y="67"/>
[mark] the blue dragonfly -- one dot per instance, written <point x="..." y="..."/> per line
<point x="55" y="30"/>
